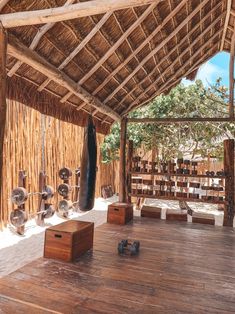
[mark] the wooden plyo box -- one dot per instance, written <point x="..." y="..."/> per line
<point x="151" y="212"/>
<point x="68" y="240"/>
<point x="120" y="213"/>
<point x="176" y="215"/>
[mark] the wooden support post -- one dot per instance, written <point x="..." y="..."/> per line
<point x="129" y="166"/>
<point x="229" y="182"/>
<point x="122" y="166"/>
<point x="231" y="76"/>
<point x="3" y="105"/>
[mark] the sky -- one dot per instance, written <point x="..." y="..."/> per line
<point x="216" y="67"/>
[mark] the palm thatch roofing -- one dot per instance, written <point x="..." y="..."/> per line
<point x="108" y="64"/>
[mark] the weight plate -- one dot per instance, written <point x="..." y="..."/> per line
<point x="19" y="196"/>
<point x="64" y="189"/>
<point x="18" y="217"/>
<point x="49" y="211"/>
<point x="65" y="173"/>
<point x="64" y="206"/>
<point x="48" y="192"/>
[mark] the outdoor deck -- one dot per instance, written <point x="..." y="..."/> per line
<point x="181" y="268"/>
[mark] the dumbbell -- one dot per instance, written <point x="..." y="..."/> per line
<point x="132" y="247"/>
<point x="186" y="169"/>
<point x="194" y="166"/>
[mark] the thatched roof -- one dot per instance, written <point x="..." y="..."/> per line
<point x="115" y="61"/>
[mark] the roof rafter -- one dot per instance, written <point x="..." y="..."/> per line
<point x="173" y="51"/>
<point x="154" y="51"/>
<point x="81" y="45"/>
<point x="3" y="3"/>
<point x="228" y="11"/>
<point x="184" y="53"/>
<point x="115" y="46"/>
<point x="42" y="31"/>
<point x="31" y="58"/>
<point x="174" y="77"/>
<point x="144" y="43"/>
<point x="73" y="11"/>
<point x="200" y="61"/>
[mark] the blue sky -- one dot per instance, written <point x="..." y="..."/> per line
<point x="216" y="67"/>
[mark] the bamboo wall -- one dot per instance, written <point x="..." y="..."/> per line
<point x="28" y="134"/>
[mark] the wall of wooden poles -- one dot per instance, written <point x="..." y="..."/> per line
<point x="35" y="142"/>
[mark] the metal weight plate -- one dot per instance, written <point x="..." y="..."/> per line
<point x="18" y="217"/>
<point x="49" y="211"/>
<point x="48" y="192"/>
<point x="65" y="173"/>
<point x="64" y="189"/>
<point x="19" y="196"/>
<point x="64" y="206"/>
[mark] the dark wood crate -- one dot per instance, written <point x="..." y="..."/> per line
<point x="203" y="218"/>
<point x="151" y="212"/>
<point x="68" y="240"/>
<point x="176" y="215"/>
<point x="120" y="213"/>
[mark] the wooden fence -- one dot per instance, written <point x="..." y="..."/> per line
<point x="34" y="142"/>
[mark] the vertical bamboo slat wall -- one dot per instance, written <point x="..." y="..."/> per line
<point x="23" y="149"/>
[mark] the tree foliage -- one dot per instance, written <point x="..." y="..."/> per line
<point x="176" y="140"/>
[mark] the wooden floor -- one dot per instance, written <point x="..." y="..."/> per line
<point x="181" y="268"/>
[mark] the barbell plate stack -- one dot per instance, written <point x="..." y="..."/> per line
<point x="18" y="217"/>
<point x="19" y="196"/>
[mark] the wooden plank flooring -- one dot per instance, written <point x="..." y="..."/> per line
<point x="181" y="268"/>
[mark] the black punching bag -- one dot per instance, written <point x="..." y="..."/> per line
<point x="88" y="168"/>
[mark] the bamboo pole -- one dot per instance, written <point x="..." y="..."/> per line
<point x="129" y="168"/>
<point x="229" y="182"/>
<point x="3" y="105"/>
<point x="231" y="76"/>
<point x="122" y="166"/>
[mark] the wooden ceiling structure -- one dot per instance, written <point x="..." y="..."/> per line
<point x="107" y="57"/>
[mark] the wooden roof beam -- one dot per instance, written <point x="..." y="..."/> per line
<point x="42" y="31"/>
<point x="73" y="11"/>
<point x="228" y="11"/>
<point x="115" y="46"/>
<point x="177" y="120"/>
<point x="174" y="77"/>
<point x="159" y="47"/>
<point x="175" y="49"/>
<point x="81" y="45"/>
<point x="19" y="51"/>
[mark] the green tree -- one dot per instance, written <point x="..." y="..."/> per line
<point x="176" y="140"/>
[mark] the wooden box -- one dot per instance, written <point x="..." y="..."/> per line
<point x="120" y="213"/>
<point x="203" y="218"/>
<point x="176" y="215"/>
<point x="151" y="212"/>
<point x="68" y="240"/>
